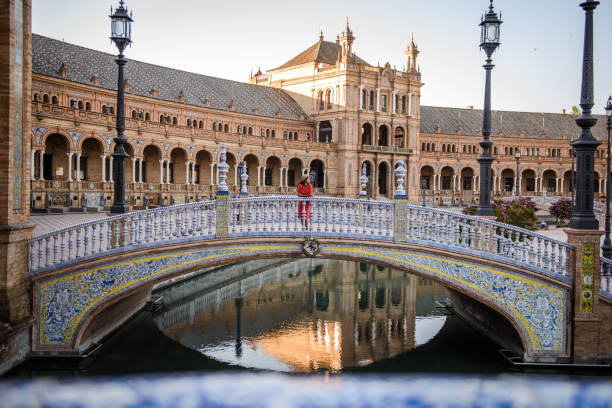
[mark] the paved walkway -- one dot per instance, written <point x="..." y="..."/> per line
<point x="52" y="222"/>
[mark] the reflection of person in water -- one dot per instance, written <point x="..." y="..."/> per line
<point x="304" y="189"/>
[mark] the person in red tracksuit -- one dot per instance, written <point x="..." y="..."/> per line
<point x="304" y="189"/>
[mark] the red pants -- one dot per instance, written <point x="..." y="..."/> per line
<point x="300" y="209"/>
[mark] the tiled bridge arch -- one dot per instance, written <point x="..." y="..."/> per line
<point x="70" y="301"/>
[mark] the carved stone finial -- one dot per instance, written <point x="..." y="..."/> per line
<point x="364" y="182"/>
<point x="400" y="175"/>
<point x="223" y="168"/>
<point x="244" y="177"/>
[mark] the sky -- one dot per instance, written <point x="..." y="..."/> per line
<point x="538" y="66"/>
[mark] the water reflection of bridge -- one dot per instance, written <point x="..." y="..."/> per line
<point x="358" y="313"/>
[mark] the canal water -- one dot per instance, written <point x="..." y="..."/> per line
<point x="295" y="316"/>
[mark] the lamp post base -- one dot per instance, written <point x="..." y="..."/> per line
<point x="119" y="209"/>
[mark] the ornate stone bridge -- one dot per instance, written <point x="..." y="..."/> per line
<point x="89" y="278"/>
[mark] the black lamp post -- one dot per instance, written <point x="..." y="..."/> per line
<point x="606" y="248"/>
<point x="583" y="217"/>
<point x="517" y="155"/>
<point x="489" y="41"/>
<point x="121" y="33"/>
<point x="573" y="179"/>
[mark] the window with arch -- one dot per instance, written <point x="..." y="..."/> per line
<point x="238" y="129"/>
<point x="443" y="148"/>
<point x="54" y="100"/>
<point x="88" y="106"/>
<point x="285" y="134"/>
<point x="174" y="120"/>
<point x="201" y="125"/>
<point x="162" y="119"/>
<point x="80" y="104"/>
<point x="364" y="97"/>
<point x="321" y="100"/>
<point x="250" y="130"/>
<point x="328" y="99"/>
<point x="188" y="122"/>
<point x="371" y="104"/>
<point x="134" y="114"/>
<point x="423" y="147"/>
<point x="267" y="132"/>
<point x="273" y="133"/>
<point x="404" y="104"/>
<point x="147" y="116"/>
<point x="244" y="130"/>
<point x="226" y="128"/>
<point x="215" y="126"/>
<point x="45" y="98"/>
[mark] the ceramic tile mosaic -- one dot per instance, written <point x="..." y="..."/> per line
<point x="538" y="308"/>
<point x="63" y="302"/>
<point x="254" y="390"/>
<point x="400" y="219"/>
<point x="586" y="285"/>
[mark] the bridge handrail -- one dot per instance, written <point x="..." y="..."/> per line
<point x="497" y="224"/>
<point x="114" y="234"/>
<point x="605" y="285"/>
<point x="278" y="216"/>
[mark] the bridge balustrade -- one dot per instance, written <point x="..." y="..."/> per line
<point x="606" y="276"/>
<point x="269" y="216"/>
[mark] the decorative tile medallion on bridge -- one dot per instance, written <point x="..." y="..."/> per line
<point x="63" y="302"/>
<point x="537" y="307"/>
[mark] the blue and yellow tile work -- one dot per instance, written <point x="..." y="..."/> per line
<point x="537" y="308"/>
<point x="64" y="301"/>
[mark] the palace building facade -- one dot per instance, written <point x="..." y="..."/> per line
<point x="326" y="112"/>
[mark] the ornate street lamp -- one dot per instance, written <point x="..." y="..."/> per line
<point x="121" y="35"/>
<point x="606" y="248"/>
<point x="583" y="217"/>
<point x="517" y="155"/>
<point x="489" y="41"/>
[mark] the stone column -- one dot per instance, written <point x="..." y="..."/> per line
<point x="193" y="173"/>
<point x="15" y="226"/>
<point x="324" y="178"/>
<point x="562" y="185"/>
<point x="280" y="180"/>
<point x="459" y="183"/>
<point x="41" y="173"/>
<point x="557" y="185"/>
<point x="393" y="94"/>
<point x="360" y="97"/>
<point x="110" y="166"/>
<point x="454" y="182"/>
<point x="409" y="104"/>
<point x="212" y="174"/>
<point x="187" y="164"/>
<point x="258" y="176"/>
<point x="168" y="171"/>
<point x="140" y="170"/>
<point x="133" y="170"/>
<point x="377" y="99"/>
<point x="69" y="170"/>
<point x="32" y="153"/>
<point x="161" y="172"/>
<point x="236" y="174"/>
<point x="317" y="137"/>
<point x="78" y="167"/>
<point x="103" y="158"/>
